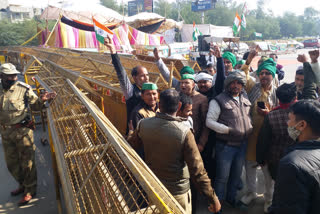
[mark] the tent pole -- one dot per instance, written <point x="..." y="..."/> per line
<point x="45" y="44"/>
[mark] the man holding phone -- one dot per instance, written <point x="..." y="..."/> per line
<point x="263" y="98"/>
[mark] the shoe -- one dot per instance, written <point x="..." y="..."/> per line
<point x="17" y="191"/>
<point x="25" y="199"/>
<point x="266" y="206"/>
<point x="248" y="197"/>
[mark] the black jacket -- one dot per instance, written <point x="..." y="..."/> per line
<point x="131" y="91"/>
<point x="297" y="187"/>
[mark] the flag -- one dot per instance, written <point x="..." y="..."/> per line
<point x="245" y="8"/>
<point x="196" y="32"/>
<point x="236" y="24"/>
<point x="243" y="22"/>
<point x="258" y="34"/>
<point x="101" y="31"/>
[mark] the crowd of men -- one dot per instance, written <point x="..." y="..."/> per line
<point x="199" y="135"/>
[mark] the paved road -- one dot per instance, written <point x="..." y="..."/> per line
<point x="45" y="202"/>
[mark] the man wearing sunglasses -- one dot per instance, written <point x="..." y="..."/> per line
<point x="262" y="96"/>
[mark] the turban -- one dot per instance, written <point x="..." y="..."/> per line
<point x="236" y="75"/>
<point x="187" y="76"/>
<point x="203" y="76"/>
<point x="186" y="70"/>
<point x="231" y="57"/>
<point x="241" y="62"/>
<point x="263" y="58"/>
<point x="269" y="65"/>
<point x="149" y="86"/>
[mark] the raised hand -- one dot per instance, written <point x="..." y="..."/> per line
<point x="253" y="53"/>
<point x="156" y="54"/>
<point x="302" y="58"/>
<point x="109" y="43"/>
<point x="314" y="55"/>
<point x="216" y="51"/>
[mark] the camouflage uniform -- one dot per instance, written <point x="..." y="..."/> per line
<point x="17" y="141"/>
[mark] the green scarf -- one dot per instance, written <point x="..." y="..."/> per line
<point x="231" y="57"/>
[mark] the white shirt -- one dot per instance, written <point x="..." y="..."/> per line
<point x="213" y="115"/>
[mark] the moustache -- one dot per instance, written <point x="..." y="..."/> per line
<point x="235" y="88"/>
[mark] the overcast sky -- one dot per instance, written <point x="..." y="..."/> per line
<point x="277" y="6"/>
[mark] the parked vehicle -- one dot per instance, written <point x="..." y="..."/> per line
<point x="313" y="43"/>
<point x="295" y="44"/>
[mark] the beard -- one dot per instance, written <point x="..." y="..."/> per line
<point x="234" y="91"/>
<point x="265" y="82"/>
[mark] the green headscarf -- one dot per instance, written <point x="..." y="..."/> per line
<point x="187" y="76"/>
<point x="231" y="57"/>
<point x="269" y="65"/>
<point x="186" y="70"/>
<point x="241" y="62"/>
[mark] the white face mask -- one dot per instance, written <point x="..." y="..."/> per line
<point x="293" y="132"/>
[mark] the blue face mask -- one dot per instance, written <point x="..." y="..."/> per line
<point x="293" y="132"/>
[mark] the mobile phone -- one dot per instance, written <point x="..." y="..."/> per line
<point x="261" y="105"/>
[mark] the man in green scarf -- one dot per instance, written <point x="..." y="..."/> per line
<point x="230" y="61"/>
<point x="262" y="96"/>
<point x="269" y="65"/>
<point x="148" y="106"/>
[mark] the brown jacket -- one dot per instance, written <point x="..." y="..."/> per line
<point x="235" y="115"/>
<point x="171" y="153"/>
<point x="199" y="113"/>
<point x="141" y="111"/>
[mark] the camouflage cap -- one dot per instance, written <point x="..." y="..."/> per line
<point x="8" y="69"/>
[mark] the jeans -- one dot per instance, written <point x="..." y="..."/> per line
<point x="229" y="164"/>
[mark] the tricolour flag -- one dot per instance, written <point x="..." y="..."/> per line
<point x="243" y="22"/>
<point x="196" y="32"/>
<point x="236" y="24"/>
<point x="101" y="31"/>
<point x="258" y="34"/>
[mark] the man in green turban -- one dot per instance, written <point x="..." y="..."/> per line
<point x="269" y="66"/>
<point x="186" y="70"/>
<point x="165" y="72"/>
<point x="239" y="64"/>
<point x="229" y="60"/>
<point x="148" y="105"/>
<point x="262" y="96"/>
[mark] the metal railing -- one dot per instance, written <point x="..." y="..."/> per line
<point x="98" y="170"/>
<point x="104" y="172"/>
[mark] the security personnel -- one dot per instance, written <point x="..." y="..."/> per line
<point x="16" y="128"/>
